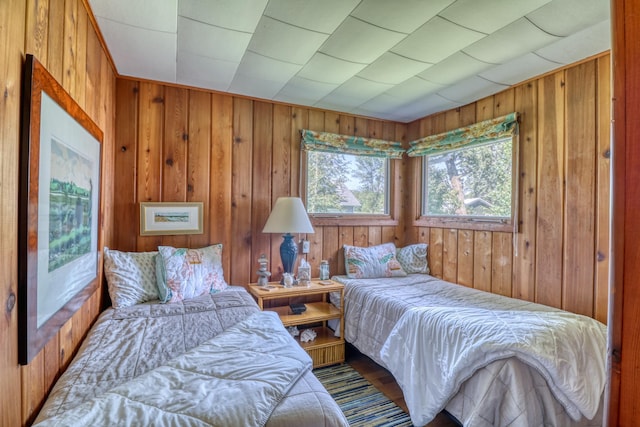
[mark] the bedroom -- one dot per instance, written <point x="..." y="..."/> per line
<point x="82" y="66"/>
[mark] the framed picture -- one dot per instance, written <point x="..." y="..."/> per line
<point x="59" y="209"/>
<point x="160" y="218"/>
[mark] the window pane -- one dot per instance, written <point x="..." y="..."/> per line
<point x="474" y="182"/>
<point x="346" y="184"/>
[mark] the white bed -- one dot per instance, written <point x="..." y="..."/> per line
<point x="488" y="360"/>
<point x="215" y="359"/>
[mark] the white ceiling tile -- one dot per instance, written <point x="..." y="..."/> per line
<point x="304" y="92"/>
<point x="327" y="69"/>
<point x="285" y="42"/>
<point x="211" y="41"/>
<point x="423" y="107"/>
<point x="404" y="16"/>
<point x="262" y="67"/>
<point x="470" y="90"/>
<point x="354" y="92"/>
<point x="357" y="41"/>
<point x="261" y="77"/>
<point x="382" y="103"/>
<point x="137" y="14"/>
<point x="519" y="69"/>
<point x="392" y="68"/>
<point x="239" y="15"/>
<point x="510" y="42"/>
<point x="590" y="41"/>
<point x="414" y="88"/>
<point x="489" y="15"/>
<point x="454" y="68"/>
<point x="317" y="15"/>
<point x="141" y="52"/>
<point x="565" y="17"/>
<point x="204" y="72"/>
<point x="436" y="40"/>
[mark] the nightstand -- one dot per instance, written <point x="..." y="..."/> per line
<point x="326" y="349"/>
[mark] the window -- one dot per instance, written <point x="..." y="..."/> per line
<point x="347" y="184"/>
<point x="347" y="175"/>
<point x="469" y="174"/>
<point x="470" y="182"/>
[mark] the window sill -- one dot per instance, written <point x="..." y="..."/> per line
<point x="353" y="221"/>
<point x="464" y="224"/>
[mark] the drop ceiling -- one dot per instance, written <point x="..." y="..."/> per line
<point x="391" y="59"/>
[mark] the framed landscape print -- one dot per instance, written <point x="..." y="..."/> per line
<point x="170" y="218"/>
<point x="59" y="209"/>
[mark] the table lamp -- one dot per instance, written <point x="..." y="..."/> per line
<point x="288" y="216"/>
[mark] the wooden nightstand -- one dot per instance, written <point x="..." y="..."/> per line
<point x="326" y="349"/>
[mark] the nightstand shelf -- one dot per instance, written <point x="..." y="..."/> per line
<point x="326" y="348"/>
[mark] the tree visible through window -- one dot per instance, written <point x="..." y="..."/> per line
<point x="474" y="182"/>
<point x="345" y="183"/>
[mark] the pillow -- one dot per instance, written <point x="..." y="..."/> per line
<point x="131" y="277"/>
<point x="413" y="258"/>
<point x="372" y="262"/>
<point x="188" y="273"/>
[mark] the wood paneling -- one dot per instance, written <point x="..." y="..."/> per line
<point x="559" y="255"/>
<point x="624" y="351"/>
<point x="58" y="33"/>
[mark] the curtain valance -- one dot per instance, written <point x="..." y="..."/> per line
<point x="345" y="144"/>
<point x="468" y="136"/>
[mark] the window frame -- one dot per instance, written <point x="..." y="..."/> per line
<point x="356" y="219"/>
<point x="509" y="224"/>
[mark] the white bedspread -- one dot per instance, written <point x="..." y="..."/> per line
<point x="433" y="350"/>
<point x="234" y="379"/>
<point x="504" y="393"/>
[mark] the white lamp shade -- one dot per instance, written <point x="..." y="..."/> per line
<point x="288" y="216"/>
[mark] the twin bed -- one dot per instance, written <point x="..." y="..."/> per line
<point x="486" y="359"/>
<point x="215" y="359"/>
<point x="212" y="359"/>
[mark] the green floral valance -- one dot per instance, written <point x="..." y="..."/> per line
<point x="479" y="133"/>
<point x="344" y="144"/>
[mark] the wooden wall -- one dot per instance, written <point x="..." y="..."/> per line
<point x="624" y="349"/>
<point x="236" y="155"/>
<point x="59" y="33"/>
<point x="560" y="256"/>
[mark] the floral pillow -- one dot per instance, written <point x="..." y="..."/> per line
<point x="187" y="273"/>
<point x="372" y="262"/>
<point x="413" y="258"/>
<point x="131" y="277"/>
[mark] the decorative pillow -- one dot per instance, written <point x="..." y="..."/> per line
<point x="372" y="262"/>
<point x="188" y="273"/>
<point x="131" y="277"/>
<point x="413" y="258"/>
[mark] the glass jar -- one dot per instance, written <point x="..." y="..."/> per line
<point x="324" y="270"/>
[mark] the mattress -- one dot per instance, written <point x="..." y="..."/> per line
<point x="506" y="392"/>
<point x="131" y="342"/>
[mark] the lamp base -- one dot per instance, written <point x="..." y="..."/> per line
<point x="288" y="253"/>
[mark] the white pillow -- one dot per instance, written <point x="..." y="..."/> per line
<point x="413" y="258"/>
<point x="372" y="262"/>
<point x="131" y="277"/>
<point x="187" y="273"/>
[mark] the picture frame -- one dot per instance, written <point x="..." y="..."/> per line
<point x="170" y="218"/>
<point x="59" y="209"/>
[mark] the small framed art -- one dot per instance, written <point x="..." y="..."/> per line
<point x="170" y="218"/>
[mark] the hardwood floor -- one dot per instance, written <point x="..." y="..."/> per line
<point x="384" y="381"/>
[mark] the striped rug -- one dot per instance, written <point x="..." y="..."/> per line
<point x="361" y="402"/>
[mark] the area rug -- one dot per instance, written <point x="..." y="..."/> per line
<point x="362" y="403"/>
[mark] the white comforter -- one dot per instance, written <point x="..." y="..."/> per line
<point x="234" y="379"/>
<point x="505" y="392"/>
<point x="433" y="350"/>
